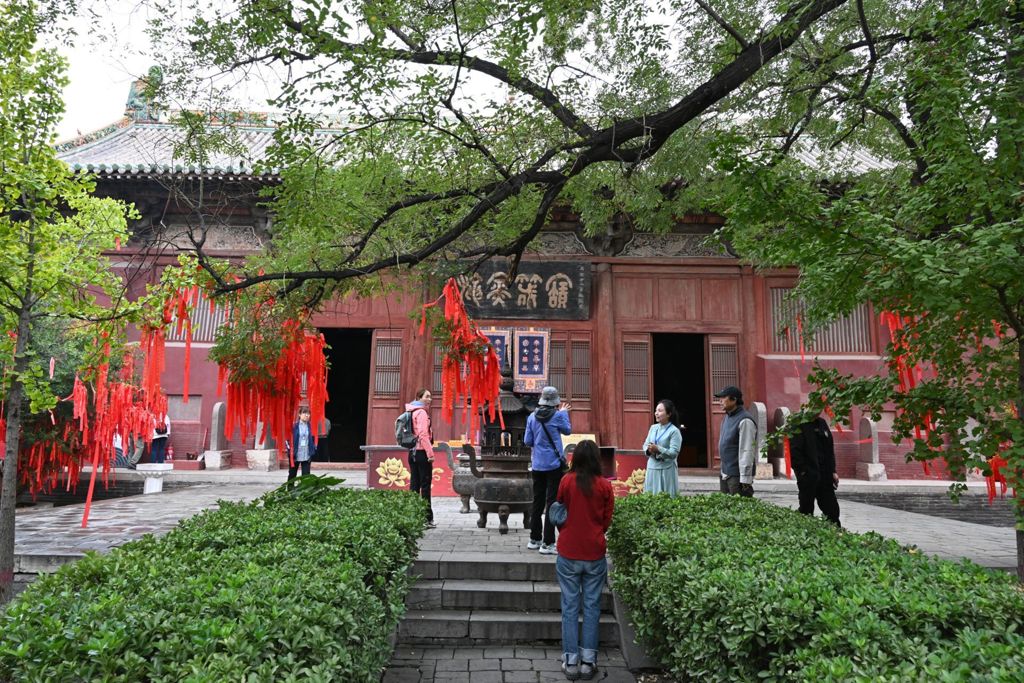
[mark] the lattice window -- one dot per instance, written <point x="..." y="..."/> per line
<point x="387" y="378"/>
<point x="580" y="369"/>
<point x="558" y="367"/>
<point x="635" y="364"/>
<point x="569" y="369"/>
<point x="205" y="322"/>
<point x="724" y="366"/>
<point x="435" y="376"/>
<point x="848" y="334"/>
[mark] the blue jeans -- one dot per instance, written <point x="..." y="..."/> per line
<point x="580" y="578"/>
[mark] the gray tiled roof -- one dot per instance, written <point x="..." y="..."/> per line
<point x="144" y="148"/>
<point x="131" y="148"/>
<point x="845" y="158"/>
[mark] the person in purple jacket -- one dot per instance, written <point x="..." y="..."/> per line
<point x="544" y="430"/>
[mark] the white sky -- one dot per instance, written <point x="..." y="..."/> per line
<point x="101" y="68"/>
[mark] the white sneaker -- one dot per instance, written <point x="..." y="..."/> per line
<point x="532" y="545"/>
<point x="546" y="549"/>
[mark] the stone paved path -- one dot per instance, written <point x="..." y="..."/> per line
<point x="494" y="665"/>
<point x="47" y="537"/>
<point x="989" y="546"/>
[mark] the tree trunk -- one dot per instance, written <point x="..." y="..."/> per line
<point x="1016" y="478"/>
<point x="1020" y="553"/>
<point x="9" y="488"/>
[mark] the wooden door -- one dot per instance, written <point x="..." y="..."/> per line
<point x="386" y="386"/>
<point x="723" y="366"/>
<point x="637" y="413"/>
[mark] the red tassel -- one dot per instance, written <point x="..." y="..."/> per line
<point x="789" y="458"/>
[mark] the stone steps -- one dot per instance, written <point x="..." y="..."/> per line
<point x="489" y="599"/>
<point x="515" y="596"/>
<point x="492" y="627"/>
<point x="494" y="566"/>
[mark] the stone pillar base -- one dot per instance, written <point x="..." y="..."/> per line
<point x="154" y="474"/>
<point x="217" y="460"/>
<point x="872" y="471"/>
<point x="262" y="459"/>
<point x="778" y="466"/>
<point x="764" y="471"/>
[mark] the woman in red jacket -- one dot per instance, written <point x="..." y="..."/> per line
<point x="581" y="564"/>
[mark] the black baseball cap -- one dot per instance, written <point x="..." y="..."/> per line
<point x="731" y="392"/>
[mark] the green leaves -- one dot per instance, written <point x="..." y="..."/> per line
<point x="306" y="586"/>
<point x="728" y="589"/>
<point x="934" y="232"/>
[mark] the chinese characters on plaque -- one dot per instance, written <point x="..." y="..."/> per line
<point x="529" y="355"/>
<point x="539" y="291"/>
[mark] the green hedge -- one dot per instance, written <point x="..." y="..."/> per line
<point x="305" y="583"/>
<point x="723" y="588"/>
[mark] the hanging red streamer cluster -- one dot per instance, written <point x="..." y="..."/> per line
<point x="789" y="457"/>
<point x="178" y="308"/>
<point x="907" y="374"/>
<point x="996" y="464"/>
<point x="116" y="407"/>
<point x="470" y="368"/>
<point x="273" y="395"/>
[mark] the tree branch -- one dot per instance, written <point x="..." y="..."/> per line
<point x="550" y="101"/>
<point x="724" y="24"/>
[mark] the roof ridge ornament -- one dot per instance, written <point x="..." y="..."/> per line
<point x="141" y="103"/>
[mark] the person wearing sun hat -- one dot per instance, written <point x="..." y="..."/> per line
<point x="736" y="444"/>
<point x="544" y="430"/>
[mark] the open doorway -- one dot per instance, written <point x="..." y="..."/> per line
<point x="678" y="373"/>
<point x="348" y="381"/>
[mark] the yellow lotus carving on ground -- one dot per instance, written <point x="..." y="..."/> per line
<point x="393" y="473"/>
<point x="634" y="484"/>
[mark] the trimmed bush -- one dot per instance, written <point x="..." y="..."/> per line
<point x="305" y="583"/>
<point x="723" y="588"/>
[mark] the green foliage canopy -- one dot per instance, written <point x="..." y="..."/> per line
<point x="934" y="231"/>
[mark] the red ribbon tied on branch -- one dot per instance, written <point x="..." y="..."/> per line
<point x="470" y="368"/>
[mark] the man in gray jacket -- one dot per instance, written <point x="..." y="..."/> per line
<point x="736" y="444"/>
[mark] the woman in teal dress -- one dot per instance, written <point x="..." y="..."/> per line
<point x="662" y="448"/>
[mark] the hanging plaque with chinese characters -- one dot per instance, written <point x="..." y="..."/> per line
<point x="539" y="291"/>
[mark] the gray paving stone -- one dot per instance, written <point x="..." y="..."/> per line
<point x="453" y="677"/>
<point x="451" y="665"/>
<point x="520" y="677"/>
<point x="547" y="664"/>
<point x="401" y="675"/>
<point x="485" y="664"/>
<point x="615" y="675"/>
<point x="516" y="664"/>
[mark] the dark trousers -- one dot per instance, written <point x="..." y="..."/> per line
<point x="813" y="487"/>
<point x="732" y="485"/>
<point x="158" y="449"/>
<point x="421" y="477"/>
<point x="545" y="490"/>
<point x="293" y="470"/>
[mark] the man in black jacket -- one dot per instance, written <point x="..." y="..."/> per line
<point x="814" y="460"/>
